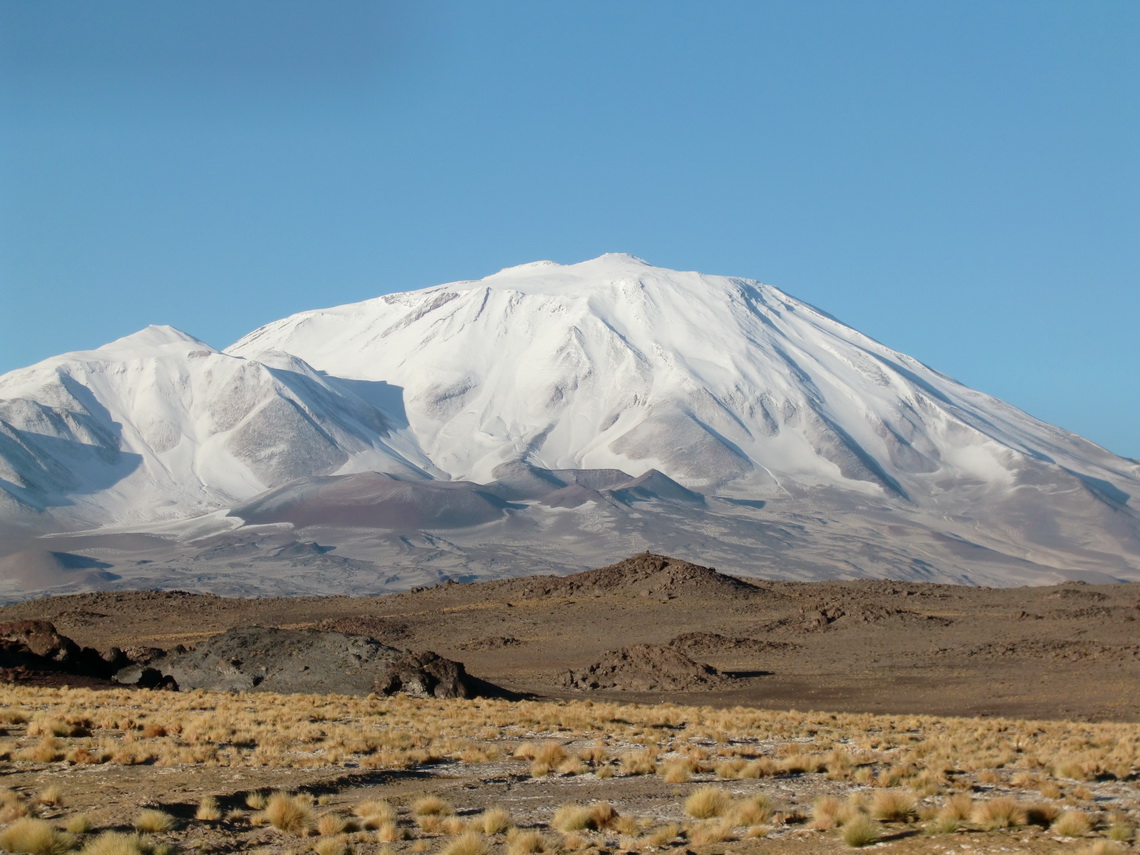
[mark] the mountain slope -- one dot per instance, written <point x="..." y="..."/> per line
<point x="721" y="383"/>
<point x="546" y="417"/>
<point x="159" y="425"/>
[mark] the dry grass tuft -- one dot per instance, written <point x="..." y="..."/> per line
<point x="208" y="810"/>
<point x="1002" y="812"/>
<point x="331" y="824"/>
<point x="494" y="820"/>
<point x="960" y="806"/>
<point x="638" y="762"/>
<point x="944" y="822"/>
<point x="574" y="842"/>
<point x="389" y="832"/>
<point x="603" y="815"/>
<point x="153" y="821"/>
<point x="467" y="843"/>
<point x="825" y="813"/>
<point x="374" y="813"/>
<point x="677" y="772"/>
<point x="1101" y="847"/>
<point x="893" y="805"/>
<point x="431" y="806"/>
<point x="528" y="842"/>
<point x="452" y="825"/>
<point x="28" y="835"/>
<point x="50" y="796"/>
<point x="256" y="800"/>
<point x="662" y="836"/>
<point x="708" y="832"/>
<point x="291" y="814"/>
<point x="1072" y="823"/>
<point x="707" y="802"/>
<point x="860" y="830"/>
<point x="331" y="846"/>
<point x="569" y="818"/>
<point x="78" y="823"/>
<point x="751" y="811"/>
<point x="114" y="843"/>
<point x="545" y="757"/>
<point x="1120" y="831"/>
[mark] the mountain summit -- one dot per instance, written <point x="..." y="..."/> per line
<point x="570" y="408"/>
<point x="722" y="383"/>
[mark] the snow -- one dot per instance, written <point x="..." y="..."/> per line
<point x="726" y="385"/>
<point x="723" y="383"/>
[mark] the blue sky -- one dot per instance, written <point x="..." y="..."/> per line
<point x="959" y="180"/>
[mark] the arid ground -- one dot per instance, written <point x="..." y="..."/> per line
<point x="929" y="718"/>
<point x="1070" y="651"/>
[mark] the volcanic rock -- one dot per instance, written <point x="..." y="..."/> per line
<point x="646" y="668"/>
<point x="650" y="575"/>
<point x="705" y="643"/>
<point x="260" y="659"/>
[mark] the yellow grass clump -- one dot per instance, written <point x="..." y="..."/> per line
<point x="431" y="806"/>
<point x="494" y="820"/>
<point x="571" y="818"/>
<point x="115" y="843"/>
<point x="707" y="802"/>
<point x="467" y="843"/>
<point x="528" y="842"/>
<point x="893" y="805"/>
<point x="860" y="830"/>
<point x="1072" y="823"/>
<point x="208" y="810"/>
<point x="291" y="814"/>
<point x="29" y="835"/>
<point x="1002" y="812"/>
<point x="153" y="821"/>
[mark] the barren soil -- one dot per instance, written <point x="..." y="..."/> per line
<point x="645" y="630"/>
<point x="1070" y="651"/>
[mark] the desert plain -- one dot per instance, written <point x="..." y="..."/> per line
<point x="653" y="705"/>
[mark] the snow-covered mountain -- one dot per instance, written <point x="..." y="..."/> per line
<point x="554" y="410"/>
<point x="158" y="425"/>
<point x="724" y="384"/>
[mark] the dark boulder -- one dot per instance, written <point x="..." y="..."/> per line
<point x="646" y="668"/>
<point x="261" y="659"/>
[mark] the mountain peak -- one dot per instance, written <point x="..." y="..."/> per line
<point x="611" y="259"/>
<point x="154" y="335"/>
<point x="730" y="388"/>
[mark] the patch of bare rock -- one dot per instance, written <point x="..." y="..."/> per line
<point x="713" y="643"/>
<point x="645" y="575"/>
<point x="262" y="659"/>
<point x="646" y="668"/>
<point x="33" y="652"/>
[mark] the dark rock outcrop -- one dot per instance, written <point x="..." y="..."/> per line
<point x="648" y="575"/>
<point x="713" y="643"/>
<point x="260" y="659"/>
<point x="646" y="668"/>
<point x="424" y="675"/>
<point x="33" y="652"/>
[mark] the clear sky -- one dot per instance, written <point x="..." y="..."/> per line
<point x="960" y="180"/>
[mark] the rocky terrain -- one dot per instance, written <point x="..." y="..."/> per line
<point x="649" y="705"/>
<point x="652" y="628"/>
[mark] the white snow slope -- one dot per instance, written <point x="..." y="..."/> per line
<point x="158" y="425"/>
<point x="721" y="383"/>
<point x="728" y="386"/>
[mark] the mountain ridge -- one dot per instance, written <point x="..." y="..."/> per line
<point x="727" y="413"/>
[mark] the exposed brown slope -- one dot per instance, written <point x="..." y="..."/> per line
<point x="1062" y="651"/>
